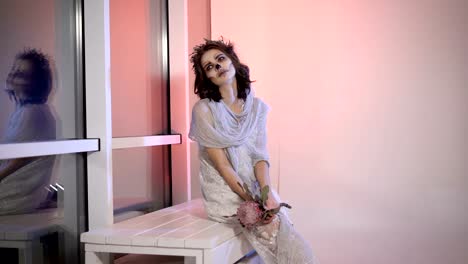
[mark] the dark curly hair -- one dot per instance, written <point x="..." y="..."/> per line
<point x="203" y="87"/>
<point x="41" y="75"/>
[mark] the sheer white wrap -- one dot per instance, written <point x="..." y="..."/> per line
<point x="243" y="137"/>
<point x="24" y="190"/>
<point x="214" y="125"/>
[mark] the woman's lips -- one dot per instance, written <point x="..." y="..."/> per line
<point x="222" y="72"/>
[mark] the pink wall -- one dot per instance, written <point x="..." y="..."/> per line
<point x="129" y="85"/>
<point x="138" y="97"/>
<point x="368" y="123"/>
<point x="199" y="28"/>
<point x="129" y="31"/>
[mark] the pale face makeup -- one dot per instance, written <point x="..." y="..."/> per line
<point x="218" y="67"/>
<point x="20" y="78"/>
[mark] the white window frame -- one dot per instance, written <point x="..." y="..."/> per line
<point x="98" y="109"/>
<point x="146" y="141"/>
<point x="45" y="148"/>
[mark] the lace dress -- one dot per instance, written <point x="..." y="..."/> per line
<point x="277" y="242"/>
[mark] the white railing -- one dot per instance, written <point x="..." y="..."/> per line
<point x="45" y="148"/>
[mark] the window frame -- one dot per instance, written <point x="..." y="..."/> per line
<point x="98" y="108"/>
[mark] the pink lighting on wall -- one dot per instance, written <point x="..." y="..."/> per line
<point x="366" y="129"/>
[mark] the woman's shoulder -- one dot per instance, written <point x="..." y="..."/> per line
<point x="201" y="107"/>
<point x="201" y="104"/>
<point x="261" y="104"/>
<point x="258" y="100"/>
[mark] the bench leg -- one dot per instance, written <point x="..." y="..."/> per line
<point x="25" y="255"/>
<point x="97" y="258"/>
<point x="193" y="260"/>
<point x="37" y="251"/>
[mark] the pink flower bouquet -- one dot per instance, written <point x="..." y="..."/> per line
<point x="253" y="213"/>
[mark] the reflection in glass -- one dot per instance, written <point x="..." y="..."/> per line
<point x="42" y="201"/>
<point x="23" y="181"/>
<point x="49" y="233"/>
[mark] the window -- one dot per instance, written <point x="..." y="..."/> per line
<point x="140" y="111"/>
<point x="94" y="142"/>
<point x="42" y="168"/>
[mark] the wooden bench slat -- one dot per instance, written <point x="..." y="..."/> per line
<point x="42" y="214"/>
<point x="119" y="235"/>
<point x="183" y="230"/>
<point x="212" y="237"/>
<point x="28" y="232"/>
<point x="150" y="237"/>
<point x="125" y="236"/>
<point x="153" y="222"/>
<point x="30" y="221"/>
<point x="177" y="237"/>
<point x="24" y="227"/>
<point x="145" y="217"/>
<point x="96" y="236"/>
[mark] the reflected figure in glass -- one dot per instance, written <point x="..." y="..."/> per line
<point x="23" y="181"/>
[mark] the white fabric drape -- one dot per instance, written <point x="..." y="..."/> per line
<point x="243" y="137"/>
<point x="214" y="125"/>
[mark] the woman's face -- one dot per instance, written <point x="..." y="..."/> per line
<point x="218" y="67"/>
<point x="20" y="78"/>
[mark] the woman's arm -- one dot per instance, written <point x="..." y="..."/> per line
<point x="262" y="173"/>
<point x="261" y="157"/>
<point x="263" y="177"/>
<point x="222" y="164"/>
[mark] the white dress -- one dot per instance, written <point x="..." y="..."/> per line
<point x="282" y="243"/>
<point x="24" y="190"/>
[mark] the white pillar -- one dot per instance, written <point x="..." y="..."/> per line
<point x="98" y="111"/>
<point x="179" y="89"/>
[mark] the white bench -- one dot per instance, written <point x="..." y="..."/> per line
<point x="181" y="230"/>
<point x="24" y="231"/>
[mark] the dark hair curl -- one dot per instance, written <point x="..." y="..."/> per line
<point x="41" y="74"/>
<point x="203" y="87"/>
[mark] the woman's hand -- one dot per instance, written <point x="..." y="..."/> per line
<point x="271" y="202"/>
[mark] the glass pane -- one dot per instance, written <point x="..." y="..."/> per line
<point x="141" y="179"/>
<point x="41" y="199"/>
<point x="139" y="90"/>
<point x="38" y="91"/>
<point x="42" y="203"/>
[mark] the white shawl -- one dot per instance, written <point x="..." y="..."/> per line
<point x="214" y="125"/>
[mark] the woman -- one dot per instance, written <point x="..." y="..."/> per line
<point x="229" y="124"/>
<point x="23" y="180"/>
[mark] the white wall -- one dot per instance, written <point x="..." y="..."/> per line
<point x="368" y="124"/>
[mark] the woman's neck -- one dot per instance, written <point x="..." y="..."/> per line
<point x="229" y="92"/>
